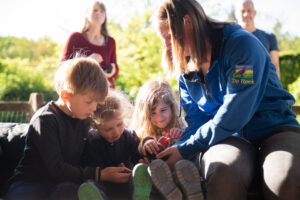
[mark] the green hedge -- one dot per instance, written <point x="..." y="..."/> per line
<point x="289" y="68"/>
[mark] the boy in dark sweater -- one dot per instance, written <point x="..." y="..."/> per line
<point x="50" y="167"/>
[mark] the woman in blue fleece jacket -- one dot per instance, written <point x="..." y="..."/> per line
<point x="239" y="116"/>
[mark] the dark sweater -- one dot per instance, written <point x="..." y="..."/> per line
<point x="99" y="152"/>
<point x="53" y="149"/>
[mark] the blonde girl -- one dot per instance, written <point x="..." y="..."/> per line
<point x="156" y="115"/>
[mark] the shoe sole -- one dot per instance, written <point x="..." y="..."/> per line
<point x="88" y="191"/>
<point x="162" y="179"/>
<point x="141" y="182"/>
<point x="188" y="178"/>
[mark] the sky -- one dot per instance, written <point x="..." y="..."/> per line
<point x="56" y="19"/>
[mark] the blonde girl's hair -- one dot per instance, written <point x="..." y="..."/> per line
<point x="172" y="12"/>
<point x="81" y="75"/>
<point x="115" y="105"/>
<point x="87" y="23"/>
<point x="146" y="101"/>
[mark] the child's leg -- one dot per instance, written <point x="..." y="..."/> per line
<point x="65" y="190"/>
<point x="142" y="184"/>
<point x="162" y="179"/>
<point x="91" y="190"/>
<point x="29" y="190"/>
<point x="117" y="190"/>
<point x="188" y="177"/>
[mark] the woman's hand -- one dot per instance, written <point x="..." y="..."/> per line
<point x="175" y="133"/>
<point x="151" y="147"/>
<point x="116" y="174"/>
<point x="113" y="71"/>
<point x="171" y="155"/>
<point x="97" y="57"/>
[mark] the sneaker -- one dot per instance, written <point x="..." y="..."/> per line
<point x="162" y="179"/>
<point x="188" y="177"/>
<point x="88" y="191"/>
<point x="142" y="184"/>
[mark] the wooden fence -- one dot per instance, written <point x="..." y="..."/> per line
<point x="27" y="108"/>
<point x="36" y="101"/>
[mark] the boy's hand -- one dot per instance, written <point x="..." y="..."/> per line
<point x="172" y="154"/>
<point x="151" y="147"/>
<point x="116" y="174"/>
<point x="175" y="133"/>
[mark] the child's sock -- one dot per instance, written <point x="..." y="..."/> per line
<point x="88" y="191"/>
<point x="142" y="184"/>
<point x="188" y="177"/>
<point x="162" y="179"/>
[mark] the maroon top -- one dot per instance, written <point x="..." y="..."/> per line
<point x="78" y="43"/>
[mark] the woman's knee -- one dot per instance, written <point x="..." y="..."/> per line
<point x="280" y="161"/>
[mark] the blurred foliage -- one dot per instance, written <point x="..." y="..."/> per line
<point x="294" y="88"/>
<point x="286" y="42"/>
<point x="289" y="68"/>
<point x="18" y="80"/>
<point x="139" y="54"/>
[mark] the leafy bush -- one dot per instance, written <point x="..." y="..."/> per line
<point x="294" y="88"/>
<point x="16" y="83"/>
<point x="289" y="68"/>
<point x="139" y="54"/>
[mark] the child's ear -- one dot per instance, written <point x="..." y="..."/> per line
<point x="65" y="96"/>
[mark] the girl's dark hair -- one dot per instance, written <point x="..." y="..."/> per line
<point x="172" y="12"/>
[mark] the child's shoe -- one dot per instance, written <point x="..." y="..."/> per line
<point x="88" y="191"/>
<point x="142" y="184"/>
<point x="162" y="179"/>
<point x="188" y="177"/>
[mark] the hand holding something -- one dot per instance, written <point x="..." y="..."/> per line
<point x="172" y="154"/>
<point x="175" y="133"/>
<point x="151" y="147"/>
<point x="113" y="71"/>
<point x="97" y="57"/>
<point x="116" y="174"/>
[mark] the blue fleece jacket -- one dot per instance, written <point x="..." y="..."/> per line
<point x="241" y="94"/>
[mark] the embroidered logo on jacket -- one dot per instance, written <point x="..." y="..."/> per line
<point x="243" y="74"/>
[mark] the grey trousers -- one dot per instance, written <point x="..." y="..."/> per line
<point x="230" y="166"/>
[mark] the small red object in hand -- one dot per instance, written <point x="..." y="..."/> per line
<point x="164" y="141"/>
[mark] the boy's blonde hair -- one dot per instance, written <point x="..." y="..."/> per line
<point x="116" y="104"/>
<point x="81" y="75"/>
<point x="146" y="101"/>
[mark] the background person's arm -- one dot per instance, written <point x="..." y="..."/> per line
<point x="275" y="60"/>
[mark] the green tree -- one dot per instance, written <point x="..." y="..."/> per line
<point x="138" y="53"/>
<point x="286" y="42"/>
<point x="18" y="80"/>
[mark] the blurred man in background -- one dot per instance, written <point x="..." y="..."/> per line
<point x="245" y="13"/>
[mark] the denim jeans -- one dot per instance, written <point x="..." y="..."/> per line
<point x="36" y="191"/>
<point x="25" y="190"/>
<point x="229" y="167"/>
